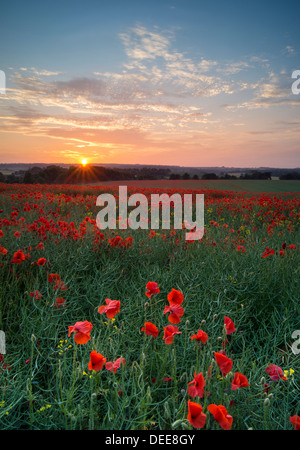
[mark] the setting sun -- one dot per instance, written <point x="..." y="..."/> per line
<point x="84" y="162"/>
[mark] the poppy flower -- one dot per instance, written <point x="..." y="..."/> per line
<point x="239" y="380"/>
<point x="224" y="363"/>
<point x="59" y="302"/>
<point x="268" y="252"/>
<point x="175" y="296"/>
<point x="3" y="250"/>
<point x="150" y="329"/>
<point x="195" y="415"/>
<point x="18" y="257"/>
<point x="275" y="372"/>
<point x="295" y="420"/>
<point x="176" y="312"/>
<point x="53" y="277"/>
<point x="229" y="325"/>
<point x="36" y="294"/>
<point x="112" y="308"/>
<point x="114" y="366"/>
<point x="200" y="336"/>
<point x="220" y="415"/>
<point x="41" y="261"/>
<point x="82" y="331"/>
<point x="170" y="332"/>
<point x="152" y="289"/>
<point x="96" y="361"/>
<point x="128" y="242"/>
<point x="196" y="387"/>
<point x="1" y="234"/>
<point x="17" y="234"/>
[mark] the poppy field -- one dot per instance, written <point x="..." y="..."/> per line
<point x="142" y="329"/>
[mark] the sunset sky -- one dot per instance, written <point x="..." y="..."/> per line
<point x="190" y="83"/>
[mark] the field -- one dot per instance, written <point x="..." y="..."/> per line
<point x="222" y="352"/>
<point x="249" y="186"/>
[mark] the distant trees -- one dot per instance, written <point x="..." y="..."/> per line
<point x="210" y="176"/>
<point x="290" y="176"/>
<point x="256" y="175"/>
<point x="90" y="174"/>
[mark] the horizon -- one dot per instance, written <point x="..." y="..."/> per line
<point x="253" y="168"/>
<point x="168" y="84"/>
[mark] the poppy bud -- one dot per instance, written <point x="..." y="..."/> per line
<point x="267" y="402"/>
<point x="262" y="380"/>
<point x="167" y="413"/>
<point x="176" y="424"/>
<point x="203" y="322"/>
<point x="149" y="393"/>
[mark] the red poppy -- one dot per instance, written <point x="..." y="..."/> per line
<point x="82" y="331"/>
<point x="18" y="257"/>
<point x="112" y="308"/>
<point x="114" y="366"/>
<point x="96" y="361"/>
<point x="152" y="289"/>
<point x="53" y="277"/>
<point x="176" y="312"/>
<point x="59" y="302"/>
<point x="229" y="325"/>
<point x="196" y="387"/>
<point x="41" y="261"/>
<point x="200" y="336"/>
<point x="275" y="372"/>
<point x="295" y="420"/>
<point x="36" y="294"/>
<point x="268" y="252"/>
<point x="239" y="381"/>
<point x="150" y="329"/>
<point x="128" y="242"/>
<point x="195" y="415"/>
<point x="220" y="415"/>
<point x="169" y="333"/>
<point x="3" y="250"/>
<point x="224" y="363"/>
<point x="175" y="297"/>
<point x="1" y="234"/>
<point x="17" y="234"/>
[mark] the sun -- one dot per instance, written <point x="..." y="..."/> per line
<point x="84" y="162"/>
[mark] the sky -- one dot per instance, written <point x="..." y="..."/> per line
<point x="169" y="82"/>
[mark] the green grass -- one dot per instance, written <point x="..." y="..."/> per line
<point x="256" y="186"/>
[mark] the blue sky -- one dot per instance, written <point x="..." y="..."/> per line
<point x="161" y="82"/>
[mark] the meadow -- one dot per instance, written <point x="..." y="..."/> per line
<point x="141" y="329"/>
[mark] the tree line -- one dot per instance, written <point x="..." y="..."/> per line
<point x="54" y="174"/>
